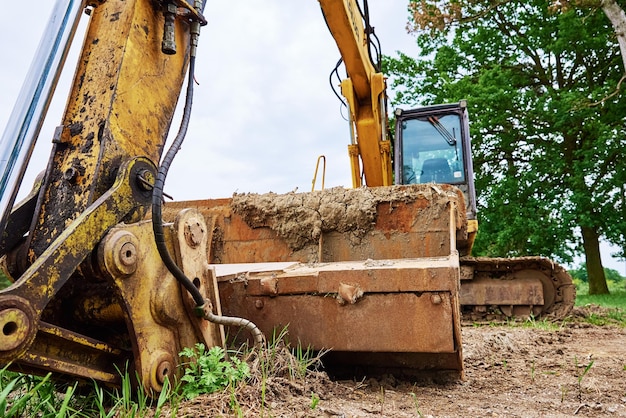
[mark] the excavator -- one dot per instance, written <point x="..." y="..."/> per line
<point x="106" y="276"/>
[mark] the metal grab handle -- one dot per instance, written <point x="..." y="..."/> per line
<point x="317" y="166"/>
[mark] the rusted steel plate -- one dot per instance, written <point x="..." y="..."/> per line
<point x="399" y="322"/>
<point x="486" y="291"/>
<point x="371" y="276"/>
<point x="388" y="313"/>
<point x="388" y="223"/>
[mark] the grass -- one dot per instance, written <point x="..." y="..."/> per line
<point x="206" y="370"/>
<point x="417" y="405"/>
<point x="580" y="376"/>
<point x="314" y="401"/>
<point x="616" y="299"/>
<point x="614" y="304"/>
<point x="22" y="395"/>
<point x="33" y="396"/>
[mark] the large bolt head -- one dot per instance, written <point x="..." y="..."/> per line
<point x="194" y="233"/>
<point x="119" y="253"/>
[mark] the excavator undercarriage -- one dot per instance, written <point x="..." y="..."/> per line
<point x="523" y="287"/>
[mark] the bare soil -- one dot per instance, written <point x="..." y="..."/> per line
<point x="574" y="369"/>
<point x="300" y="218"/>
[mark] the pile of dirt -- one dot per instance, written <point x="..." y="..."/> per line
<point x="576" y="369"/>
<point x="300" y="218"/>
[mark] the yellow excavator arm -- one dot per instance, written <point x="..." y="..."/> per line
<point x="364" y="90"/>
<point x="92" y="290"/>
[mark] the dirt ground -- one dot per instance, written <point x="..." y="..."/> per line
<point x="574" y="369"/>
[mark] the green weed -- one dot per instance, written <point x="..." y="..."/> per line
<point x="314" y="401"/>
<point x="208" y="371"/>
<point x="417" y="405"/>
<point x="580" y="376"/>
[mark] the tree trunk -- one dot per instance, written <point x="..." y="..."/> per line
<point x="595" y="271"/>
<point x="618" y="19"/>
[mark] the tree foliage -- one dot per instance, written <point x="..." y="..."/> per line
<point x="580" y="273"/>
<point x="614" y="11"/>
<point x="547" y="119"/>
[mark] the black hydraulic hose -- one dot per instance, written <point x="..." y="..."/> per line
<point x="157" y="195"/>
<point x="335" y="72"/>
<point x="157" y="223"/>
<point x="378" y="62"/>
<point x="369" y="33"/>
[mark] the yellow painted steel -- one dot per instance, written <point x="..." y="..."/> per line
<point x="158" y="309"/>
<point x="322" y="159"/>
<point x="364" y="91"/>
<point x="116" y="121"/>
<point x="472" y="230"/>
<point x="121" y="105"/>
<point x="355" y="165"/>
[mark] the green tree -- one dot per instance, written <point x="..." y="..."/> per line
<point x="614" y="276"/>
<point x="614" y="11"/>
<point x="547" y="119"/>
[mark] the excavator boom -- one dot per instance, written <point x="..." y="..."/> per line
<point x="364" y="91"/>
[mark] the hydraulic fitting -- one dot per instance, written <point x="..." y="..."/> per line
<point x="169" y="37"/>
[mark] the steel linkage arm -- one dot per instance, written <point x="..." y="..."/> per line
<point x="23" y="303"/>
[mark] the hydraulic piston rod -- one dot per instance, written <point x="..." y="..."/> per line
<point x="20" y="134"/>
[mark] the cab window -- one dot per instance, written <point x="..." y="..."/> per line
<point x="432" y="151"/>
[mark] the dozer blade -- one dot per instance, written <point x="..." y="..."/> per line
<point x="372" y="274"/>
<point x="397" y="316"/>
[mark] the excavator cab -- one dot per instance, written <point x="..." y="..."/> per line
<point x="432" y="145"/>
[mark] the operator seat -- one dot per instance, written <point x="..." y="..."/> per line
<point x="436" y="170"/>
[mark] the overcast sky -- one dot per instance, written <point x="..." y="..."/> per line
<point x="263" y="110"/>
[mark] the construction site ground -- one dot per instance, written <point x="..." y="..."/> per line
<point x="544" y="370"/>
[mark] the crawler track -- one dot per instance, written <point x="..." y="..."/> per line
<point x="558" y="289"/>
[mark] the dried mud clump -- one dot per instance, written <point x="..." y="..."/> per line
<point x="300" y="218"/>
